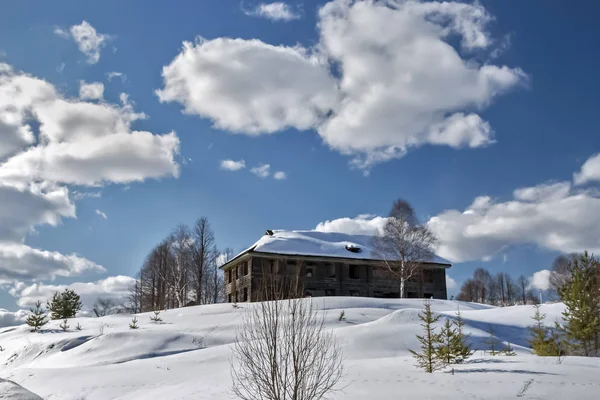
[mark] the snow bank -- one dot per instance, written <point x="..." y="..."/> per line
<point x="187" y="357"/>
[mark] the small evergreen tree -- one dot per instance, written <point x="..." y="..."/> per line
<point x="544" y="341"/>
<point x="64" y="305"/>
<point x="427" y="359"/>
<point x="446" y="350"/>
<point x="508" y="350"/>
<point x="133" y="324"/>
<point x="492" y="341"/>
<point x="342" y="316"/>
<point x="582" y="314"/>
<point x="461" y="349"/>
<point x="64" y="325"/>
<point x="156" y="318"/>
<point x="37" y="318"/>
<point x="78" y="327"/>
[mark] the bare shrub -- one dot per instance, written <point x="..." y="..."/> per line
<point x="282" y="352"/>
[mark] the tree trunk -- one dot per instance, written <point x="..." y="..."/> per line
<point x="402" y="279"/>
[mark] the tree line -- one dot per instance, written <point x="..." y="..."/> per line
<point x="498" y="290"/>
<point x="183" y="269"/>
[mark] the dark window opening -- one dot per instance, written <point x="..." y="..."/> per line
<point x="229" y="273"/>
<point x="310" y="272"/>
<point x="428" y="295"/>
<point x="245" y="294"/>
<point x="427" y="276"/>
<point x="246" y="268"/>
<point x="330" y="270"/>
<point x="229" y="298"/>
<point x="354" y="272"/>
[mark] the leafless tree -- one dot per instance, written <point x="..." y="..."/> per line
<point x="482" y="280"/>
<point x="104" y="307"/>
<point x="177" y="271"/>
<point x="468" y="291"/>
<point x="404" y="244"/>
<point x="134" y="297"/>
<point x="203" y="257"/>
<point x="561" y="270"/>
<point x="526" y="294"/>
<point x="283" y="352"/>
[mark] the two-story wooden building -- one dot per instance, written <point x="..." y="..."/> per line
<point x="328" y="264"/>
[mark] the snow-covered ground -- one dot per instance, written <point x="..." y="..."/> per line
<point x="106" y="360"/>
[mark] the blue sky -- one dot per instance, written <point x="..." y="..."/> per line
<point x="489" y="98"/>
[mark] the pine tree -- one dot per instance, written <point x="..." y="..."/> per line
<point x="156" y="318"/>
<point x="543" y="341"/>
<point x="582" y="322"/>
<point x="492" y="341"/>
<point x="64" y="325"/>
<point x="64" y="305"/>
<point x="428" y="359"/>
<point x="446" y="350"/>
<point x="37" y="318"/>
<point x="78" y="327"/>
<point x="460" y="347"/>
<point x="133" y="324"/>
<point x="508" y="350"/>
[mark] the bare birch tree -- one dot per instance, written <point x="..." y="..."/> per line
<point x="176" y="275"/>
<point x="283" y="352"/>
<point x="203" y="257"/>
<point x="404" y="244"/>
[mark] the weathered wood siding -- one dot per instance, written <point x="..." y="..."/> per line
<point x="331" y="278"/>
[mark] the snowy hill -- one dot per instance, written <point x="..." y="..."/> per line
<point x="107" y="360"/>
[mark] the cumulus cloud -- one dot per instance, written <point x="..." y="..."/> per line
<point x="88" y="40"/>
<point x="230" y="165"/>
<point x="277" y="11"/>
<point x="91" y="91"/>
<point x="365" y="224"/>
<point x="450" y="283"/>
<point x="399" y="81"/>
<point x="552" y="216"/>
<point x="262" y="171"/>
<point x="541" y="279"/>
<point x="79" y="142"/>
<point x="590" y="171"/>
<point x="249" y="86"/>
<point x="280" y="175"/>
<point x="9" y="318"/>
<point x="21" y="262"/>
<point x="100" y="213"/>
<point x="114" y="287"/>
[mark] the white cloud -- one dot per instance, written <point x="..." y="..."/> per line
<point x="79" y="142"/>
<point x="100" y="213"/>
<point x="552" y="216"/>
<point x="277" y="11"/>
<point x="248" y="86"/>
<point x="88" y="40"/>
<point x="111" y="75"/>
<point x="58" y="31"/>
<point x="590" y="171"/>
<point x="450" y="283"/>
<point x="21" y="262"/>
<point x="365" y="224"/>
<point x="231" y="165"/>
<point x="91" y="91"/>
<point x="399" y="83"/>
<point x="541" y="279"/>
<point x="280" y="175"/>
<point x="114" y="288"/>
<point x="262" y="171"/>
<point x="9" y="318"/>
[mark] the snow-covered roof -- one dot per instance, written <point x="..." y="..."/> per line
<point x="320" y="244"/>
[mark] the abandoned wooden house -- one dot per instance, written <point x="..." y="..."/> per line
<point x="327" y="264"/>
